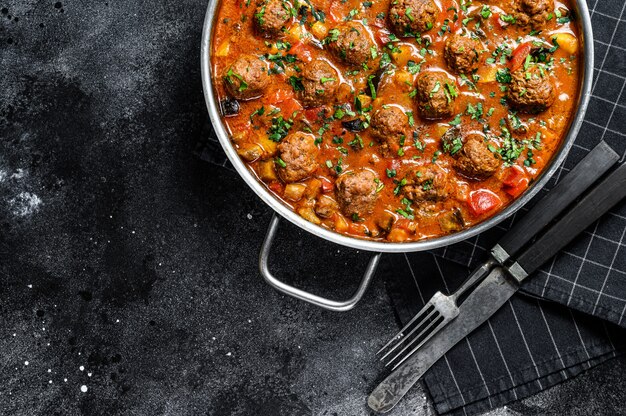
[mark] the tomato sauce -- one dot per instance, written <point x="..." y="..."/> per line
<point x="522" y="140"/>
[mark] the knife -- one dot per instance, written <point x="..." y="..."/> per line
<point x="592" y="167"/>
<point x="498" y="287"/>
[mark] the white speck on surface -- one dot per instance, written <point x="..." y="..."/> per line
<point x="49" y="381"/>
<point x="88" y="374"/>
<point x="26" y="363"/>
<point x="81" y="368"/>
<point x="228" y="354"/>
<point x="117" y="321"/>
<point x="249" y="216"/>
<point x="83" y="388"/>
<point x="30" y="286"/>
<point x="14" y="335"/>
<point x="65" y="380"/>
<point x="24" y="204"/>
<point x="19" y="174"/>
<point x="49" y="370"/>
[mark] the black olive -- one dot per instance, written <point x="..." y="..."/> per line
<point x="355" y="125"/>
<point x="229" y="107"/>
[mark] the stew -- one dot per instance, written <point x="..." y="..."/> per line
<point x="396" y="120"/>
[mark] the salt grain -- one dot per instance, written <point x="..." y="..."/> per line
<point x="83" y="388"/>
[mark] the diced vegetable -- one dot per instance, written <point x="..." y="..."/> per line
<point x="341" y="225"/>
<point x="295" y="34"/>
<point x="487" y="74"/>
<point x="404" y="78"/>
<point x="229" y="107"/>
<point x="482" y="201"/>
<point x="269" y="146"/>
<point x="515" y="181"/>
<point x="452" y="221"/>
<point x="403" y="53"/>
<point x="519" y="56"/>
<point x="319" y="30"/>
<point x="327" y="186"/>
<point x="308" y="214"/>
<point x="249" y="151"/>
<point x="267" y="171"/>
<point x="223" y="49"/>
<point x="313" y="189"/>
<point x="397" y="235"/>
<point x="301" y="50"/>
<point x="567" y="42"/>
<point x="294" y="191"/>
<point x="385" y="220"/>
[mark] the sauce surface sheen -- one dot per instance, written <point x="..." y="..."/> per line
<point x="396" y="120"/>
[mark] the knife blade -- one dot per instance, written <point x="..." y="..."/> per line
<point x="493" y="292"/>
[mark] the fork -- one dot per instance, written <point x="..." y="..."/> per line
<point x="436" y="314"/>
<point x="441" y="309"/>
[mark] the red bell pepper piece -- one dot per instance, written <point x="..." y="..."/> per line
<point x="482" y="201"/>
<point x="515" y="181"/>
<point x="327" y="185"/>
<point x="301" y="51"/>
<point x="519" y="56"/>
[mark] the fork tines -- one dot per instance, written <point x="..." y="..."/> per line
<point x="414" y="334"/>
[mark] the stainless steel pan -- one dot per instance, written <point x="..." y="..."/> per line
<point x="374" y="246"/>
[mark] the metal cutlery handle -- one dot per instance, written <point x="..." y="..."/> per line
<point x="497" y="288"/>
<point x="580" y="178"/>
<point x="332" y="305"/>
<point x="597" y="202"/>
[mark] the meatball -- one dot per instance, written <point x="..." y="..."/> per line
<point x="427" y="183"/>
<point x="356" y="192"/>
<point x="389" y="125"/>
<point x="407" y="17"/>
<point x="298" y="152"/>
<point x="435" y="95"/>
<point x="531" y="90"/>
<point x="246" y="78"/>
<point x="461" y="54"/>
<point x="319" y="84"/>
<point x="271" y="16"/>
<point x="352" y="43"/>
<point x="533" y="12"/>
<point x="475" y="160"/>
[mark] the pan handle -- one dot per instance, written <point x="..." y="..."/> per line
<point x="331" y="305"/>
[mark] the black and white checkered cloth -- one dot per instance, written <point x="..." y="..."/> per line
<point x="551" y="330"/>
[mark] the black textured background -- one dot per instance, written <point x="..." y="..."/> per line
<point x="129" y="267"/>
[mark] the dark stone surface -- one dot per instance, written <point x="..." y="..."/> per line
<point x="129" y="267"/>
